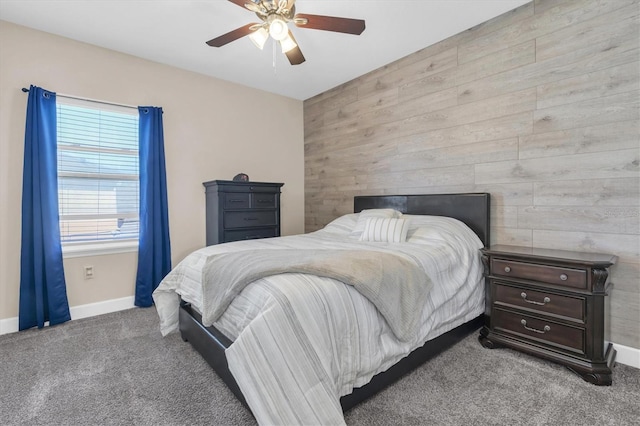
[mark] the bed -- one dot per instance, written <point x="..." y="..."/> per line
<point x="220" y="352"/>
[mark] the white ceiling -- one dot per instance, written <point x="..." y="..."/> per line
<point x="174" y="32"/>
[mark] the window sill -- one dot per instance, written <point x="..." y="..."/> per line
<point x="97" y="249"/>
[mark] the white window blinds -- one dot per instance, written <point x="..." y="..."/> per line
<point x="98" y="176"/>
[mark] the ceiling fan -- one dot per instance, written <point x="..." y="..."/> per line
<point x="275" y="16"/>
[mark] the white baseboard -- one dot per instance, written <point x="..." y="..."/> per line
<point x="627" y="355"/>
<point x="10" y="325"/>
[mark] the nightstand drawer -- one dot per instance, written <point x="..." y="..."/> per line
<point x="250" y="218"/>
<point x="539" y="330"/>
<point x="575" y="278"/>
<point x="249" y="234"/>
<point x="540" y="301"/>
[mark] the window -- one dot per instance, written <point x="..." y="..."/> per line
<point x="98" y="176"/>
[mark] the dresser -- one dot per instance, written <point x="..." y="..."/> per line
<point x="551" y="304"/>
<point x="241" y="210"/>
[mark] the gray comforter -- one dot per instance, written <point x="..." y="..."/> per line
<point x="396" y="286"/>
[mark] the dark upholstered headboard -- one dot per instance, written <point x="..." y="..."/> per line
<point x="470" y="208"/>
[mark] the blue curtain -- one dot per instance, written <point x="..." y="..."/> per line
<point x="154" y="251"/>
<point x="43" y="291"/>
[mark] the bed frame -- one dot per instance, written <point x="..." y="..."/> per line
<point x="471" y="208"/>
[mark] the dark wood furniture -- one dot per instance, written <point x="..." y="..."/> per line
<point x="241" y="210"/>
<point x="472" y="209"/>
<point x="550" y="303"/>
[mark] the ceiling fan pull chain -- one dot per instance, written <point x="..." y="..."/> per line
<point x="274" y="56"/>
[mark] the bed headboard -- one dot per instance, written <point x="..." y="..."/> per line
<point x="470" y="208"/>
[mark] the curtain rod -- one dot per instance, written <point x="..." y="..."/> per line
<point x="24" y="89"/>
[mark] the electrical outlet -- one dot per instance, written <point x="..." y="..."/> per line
<point x="88" y="272"/>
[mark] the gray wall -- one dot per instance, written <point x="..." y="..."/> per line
<point x="539" y="107"/>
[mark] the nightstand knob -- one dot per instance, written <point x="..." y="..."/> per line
<point x="507" y="269"/>
<point x="563" y="277"/>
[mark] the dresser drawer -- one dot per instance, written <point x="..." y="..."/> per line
<point x="263" y="201"/>
<point x="237" y="200"/>
<point x="250" y="219"/>
<point x="259" y="200"/>
<point x="540" y="301"/>
<point x="575" y="278"/>
<point x="539" y="330"/>
<point x="249" y="234"/>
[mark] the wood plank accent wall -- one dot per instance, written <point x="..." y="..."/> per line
<point x="539" y="107"/>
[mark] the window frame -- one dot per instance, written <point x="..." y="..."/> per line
<point x="71" y="249"/>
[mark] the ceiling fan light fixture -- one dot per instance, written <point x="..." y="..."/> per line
<point x="259" y="37"/>
<point x="278" y="29"/>
<point x="287" y="44"/>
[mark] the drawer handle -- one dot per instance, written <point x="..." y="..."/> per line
<point x="507" y="269"/>
<point x="250" y="218"/>
<point x="236" y="201"/>
<point x="563" y="277"/>
<point x="546" y="327"/>
<point x="544" y="301"/>
<point x="264" y="201"/>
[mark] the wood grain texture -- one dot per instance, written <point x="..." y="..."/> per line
<point x="614" y="220"/>
<point x="539" y="107"/>
<point x="619" y="79"/>
<point x="565" y="14"/>
<point x="588" y="192"/>
<point x="603" y="54"/>
<point x="504" y="127"/>
<point x="414" y="71"/>
<point x="615" y="164"/>
<point x="592" y="30"/>
<point x="606" y="109"/>
<point x="512" y="236"/>
<point x="508" y="194"/>
<point x="603" y="138"/>
<point x="626" y="247"/>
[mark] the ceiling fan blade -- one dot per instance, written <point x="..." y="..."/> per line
<point x="231" y="36"/>
<point x="330" y="23"/>
<point x="295" y="55"/>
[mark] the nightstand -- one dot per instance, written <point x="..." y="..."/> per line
<point x="550" y="303"/>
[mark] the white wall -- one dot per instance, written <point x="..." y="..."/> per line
<point x="207" y="136"/>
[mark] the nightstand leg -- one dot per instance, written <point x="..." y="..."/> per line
<point x="603" y="375"/>
<point x="484" y="340"/>
<point x="598" y="379"/>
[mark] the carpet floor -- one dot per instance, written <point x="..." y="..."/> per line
<point x="116" y="369"/>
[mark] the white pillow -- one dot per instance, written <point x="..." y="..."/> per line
<point x="428" y="235"/>
<point x="424" y="229"/>
<point x="367" y="214"/>
<point x="385" y="230"/>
